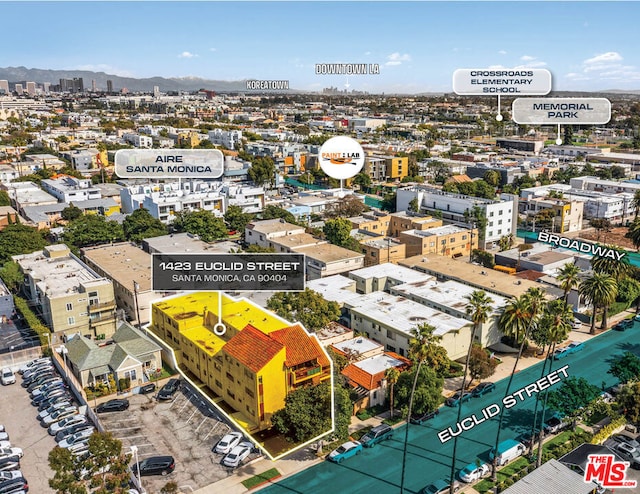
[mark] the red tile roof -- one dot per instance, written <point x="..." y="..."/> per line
<point x="300" y="346"/>
<point x="360" y="377"/>
<point x="252" y="348"/>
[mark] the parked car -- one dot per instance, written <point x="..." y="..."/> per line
<point x="555" y="424"/>
<point x="344" y="451"/>
<point x="560" y="353"/>
<point x="116" y="405"/>
<point x="624" y="325"/>
<point x="4" y="436"/>
<point x="483" y="388"/>
<point x="441" y="487"/>
<point x="59" y="415"/>
<point x="457" y="398"/>
<point x="78" y="437"/>
<point x="228" y="442"/>
<point x="169" y="389"/>
<point x="31" y="384"/>
<point x="7" y="452"/>
<point x="628" y="453"/>
<point x="54" y="400"/>
<point x="14" y="486"/>
<point x="147" y="388"/>
<point x="377" y="434"/>
<point x="52" y="408"/>
<point x="621" y="438"/>
<point x="237" y="455"/>
<point x="576" y="324"/>
<point x="67" y="423"/>
<point x="37" y="370"/>
<point x="37" y="400"/>
<point x="419" y="419"/>
<point x="48" y="388"/>
<point x="473" y="472"/>
<point x="33" y="363"/>
<point x="10" y="475"/>
<point x="575" y="346"/>
<point x="155" y="465"/>
<point x="9" y="463"/>
<point x="80" y="448"/>
<point x="5" y="444"/>
<point x="7" y="376"/>
<point x="65" y="433"/>
<point x="526" y="439"/>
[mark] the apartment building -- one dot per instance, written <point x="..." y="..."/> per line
<point x="407" y="220"/>
<point x="70" y="297"/>
<point x="383" y="168"/>
<point x="372" y="221"/>
<point x="23" y="194"/>
<point x="137" y="140"/>
<point x="226" y="138"/>
<point x="566" y="215"/>
<point x="381" y="250"/>
<point x="447" y="240"/>
<point x="71" y="189"/>
<point x="254" y="365"/>
<point x="263" y="232"/>
<point x="501" y="214"/>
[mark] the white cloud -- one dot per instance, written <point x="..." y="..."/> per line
<point x="213" y="49"/>
<point x="187" y="54"/>
<point x="367" y="53"/>
<point x="530" y="62"/>
<point x="502" y="52"/>
<point x="396" y="58"/>
<point x="527" y="58"/>
<point x="608" y="57"/>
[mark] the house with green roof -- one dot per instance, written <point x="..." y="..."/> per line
<point x="130" y="354"/>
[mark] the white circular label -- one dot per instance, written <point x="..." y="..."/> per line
<point x="341" y="157"/>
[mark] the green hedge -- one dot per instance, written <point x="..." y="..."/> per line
<point x="607" y="430"/>
<point x="33" y="321"/>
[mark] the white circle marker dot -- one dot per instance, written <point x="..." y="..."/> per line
<point x="341" y="157"/>
<point x="499" y="117"/>
<point x="558" y="141"/>
<point x="219" y="329"/>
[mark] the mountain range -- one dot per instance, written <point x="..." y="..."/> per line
<point x="20" y="74"/>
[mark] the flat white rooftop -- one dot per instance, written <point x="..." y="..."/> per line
<point x="378" y="363"/>
<point x="389" y="270"/>
<point x="336" y="288"/>
<point x="357" y="346"/>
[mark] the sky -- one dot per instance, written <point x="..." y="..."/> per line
<point x="586" y="46"/>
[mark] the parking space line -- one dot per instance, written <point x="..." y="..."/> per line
<point x="191" y="416"/>
<point x="185" y="404"/>
<point x="123" y="438"/>
<point x="127" y="428"/>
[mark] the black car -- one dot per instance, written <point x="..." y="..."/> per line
<point x="147" y="388"/>
<point x="112" y="406"/>
<point x="168" y="390"/>
<point x="60" y="435"/>
<point x="417" y="418"/>
<point x="156" y="465"/>
<point x="9" y="463"/>
<point x="483" y="388"/>
<point x="12" y="486"/>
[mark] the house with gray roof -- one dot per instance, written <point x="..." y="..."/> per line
<point x="131" y="354"/>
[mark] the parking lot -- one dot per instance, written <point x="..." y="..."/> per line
<point x="186" y="428"/>
<point x="21" y="423"/>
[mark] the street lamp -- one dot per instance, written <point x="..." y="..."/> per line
<point x="134" y="450"/>
<point x="473" y="225"/>
<point x="136" y="287"/>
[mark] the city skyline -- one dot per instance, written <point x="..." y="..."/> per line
<point x="587" y="46"/>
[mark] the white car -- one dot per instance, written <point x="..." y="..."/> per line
<point x="7" y="376"/>
<point x="4" y="436"/>
<point x="237" y="455"/>
<point x="59" y="415"/>
<point x="10" y="475"/>
<point x="53" y="408"/>
<point x="27" y="366"/>
<point x="228" y="442"/>
<point x="68" y="422"/>
<point x="80" y="448"/>
<point x="78" y="437"/>
<point x="5" y="444"/>
<point x="473" y="472"/>
<point x="6" y="452"/>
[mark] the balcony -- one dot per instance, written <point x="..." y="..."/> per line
<point x="102" y="306"/>
<point x="306" y="373"/>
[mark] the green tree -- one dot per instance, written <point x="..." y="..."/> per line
<point x="599" y="290"/>
<point x="4" y="198"/>
<point x="262" y="170"/>
<point x="492" y="177"/>
<point x="389" y="202"/>
<point x="617" y="269"/>
<point x="629" y="401"/>
<point x="236" y="219"/>
<point x="574" y="392"/>
<point x="107" y="465"/>
<point x="427" y="395"/>
<point x="306" y="414"/>
<point x="271" y="212"/>
<point x="308" y="307"/>
<point x="18" y="239"/>
<point x="12" y="276"/>
<point x="92" y="229"/>
<point x="346" y="207"/>
<point x="203" y="223"/>
<point x="634" y="232"/>
<point x="515" y="318"/>
<point x="414" y="207"/>
<point x="337" y="231"/>
<point x="569" y="278"/>
<point x="171" y="487"/>
<point x="140" y="225"/>
<point x="625" y="367"/>
<point x="64" y="465"/>
<point x="391" y="375"/>
<point x="71" y="212"/>
<point x="635" y="203"/>
<point x="362" y="179"/>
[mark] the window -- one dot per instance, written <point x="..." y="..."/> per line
<point x="69" y="307"/>
<point x="71" y="321"/>
<point x="491" y="213"/>
<point x="491" y="223"/>
<point x="248" y="392"/>
<point x="230" y="377"/>
<point x="218" y="383"/>
<point x="499" y="222"/>
<point x="500" y="212"/>
<point x="452" y="240"/>
<point x="464" y="237"/>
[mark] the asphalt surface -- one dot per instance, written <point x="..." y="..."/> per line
<point x="378" y="469"/>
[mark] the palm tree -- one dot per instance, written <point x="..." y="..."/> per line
<point x="478" y="308"/>
<point x="634" y="231"/>
<point x="635" y="202"/>
<point x="422" y="339"/>
<point x="391" y="375"/>
<point x="515" y="317"/>
<point x="569" y="277"/>
<point x="557" y="319"/>
<point x="535" y="299"/>
<point x="617" y="269"/>
<point x="599" y="290"/>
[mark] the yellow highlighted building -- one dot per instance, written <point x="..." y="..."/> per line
<point x="252" y="367"/>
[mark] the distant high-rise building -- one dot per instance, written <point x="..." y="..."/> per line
<point x="31" y="88"/>
<point x="75" y="85"/>
<point x="156" y="91"/>
<point x="109" y="86"/>
<point x="93" y="85"/>
<point x="46" y="86"/>
<point x="19" y="89"/>
<point x="4" y="86"/>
